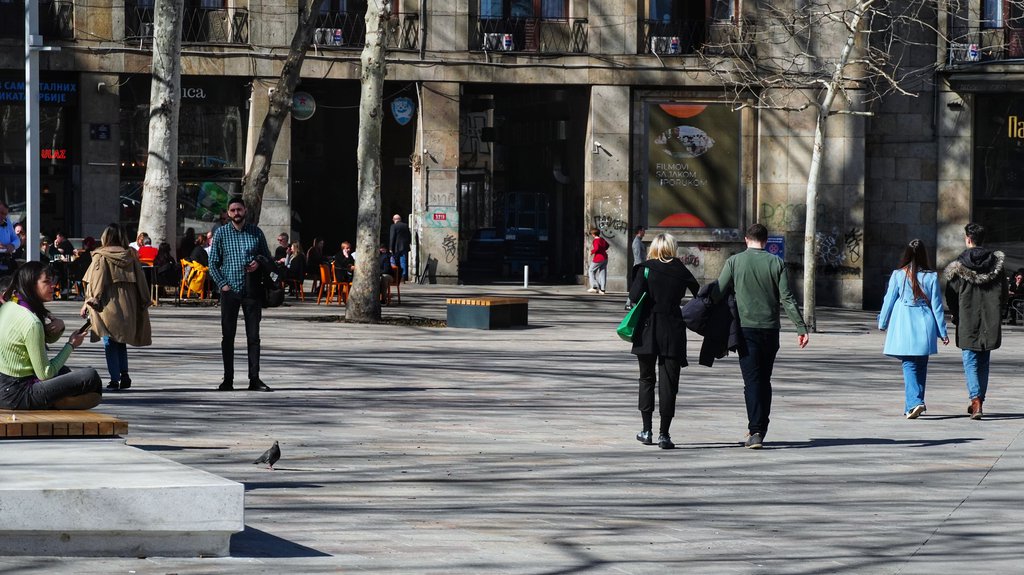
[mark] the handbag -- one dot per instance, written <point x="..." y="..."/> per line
<point x="627" y="327"/>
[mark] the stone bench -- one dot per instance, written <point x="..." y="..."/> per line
<point x="102" y="498"/>
<point x="488" y="312"/>
<point x="59" y="423"/>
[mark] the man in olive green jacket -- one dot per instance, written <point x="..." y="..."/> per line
<point x="761" y="285"/>
<point x="976" y="292"/>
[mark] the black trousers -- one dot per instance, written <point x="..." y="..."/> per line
<point x="26" y="393"/>
<point x="668" y="388"/>
<point x="756" y="365"/>
<point x="252" y="313"/>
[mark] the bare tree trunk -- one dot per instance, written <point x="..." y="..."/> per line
<point x="832" y="88"/>
<point x="364" y="300"/>
<point x="255" y="180"/>
<point x="159" y="211"/>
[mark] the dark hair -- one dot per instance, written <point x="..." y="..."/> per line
<point x="595" y="232"/>
<point x="113" y="235"/>
<point x="24" y="285"/>
<point x="976" y="232"/>
<point x="915" y="259"/>
<point x="757" y="232"/>
<point x="236" y="200"/>
<point x="639" y="229"/>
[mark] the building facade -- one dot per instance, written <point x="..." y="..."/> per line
<point x="514" y="126"/>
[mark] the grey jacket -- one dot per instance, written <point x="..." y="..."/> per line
<point x="976" y="293"/>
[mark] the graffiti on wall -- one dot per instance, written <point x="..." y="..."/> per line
<point x="610" y="225"/>
<point x="451" y="248"/>
<point x="838" y="250"/>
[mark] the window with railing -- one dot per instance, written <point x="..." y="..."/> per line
<point x="56" y="19"/>
<point x="528" y="26"/>
<point x="342" y="24"/>
<point x="984" y="31"/>
<point x="203" y="22"/>
<point x="679" y="26"/>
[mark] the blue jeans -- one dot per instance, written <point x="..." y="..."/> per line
<point x="756" y="364"/>
<point x="915" y="373"/>
<point x="117" y="358"/>
<point x="976" y="371"/>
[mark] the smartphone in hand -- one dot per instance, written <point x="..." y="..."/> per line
<point x="85" y="326"/>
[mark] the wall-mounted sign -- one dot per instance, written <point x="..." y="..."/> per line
<point x="99" y="131"/>
<point x="403" y="109"/>
<point x="303" y="106"/>
<point x="193" y="93"/>
<point x="440" y="216"/>
<point x="776" y="246"/>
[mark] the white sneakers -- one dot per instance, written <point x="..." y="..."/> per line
<point x="592" y="290"/>
<point x="916" y="412"/>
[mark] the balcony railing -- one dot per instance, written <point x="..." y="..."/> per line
<point x="530" y="35"/>
<point x="678" y="37"/>
<point x="348" y="30"/>
<point x="56" y="19"/>
<point x="986" y="46"/>
<point x="198" y="26"/>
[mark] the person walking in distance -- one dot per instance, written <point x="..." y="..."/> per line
<point x="976" y="292"/>
<point x="234" y="253"/>
<point x="638" y="246"/>
<point x="913" y="320"/>
<point x="598" y="262"/>
<point x="761" y="285"/>
<point x="401" y="241"/>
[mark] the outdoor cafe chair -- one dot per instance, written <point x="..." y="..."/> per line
<point x="328" y="284"/>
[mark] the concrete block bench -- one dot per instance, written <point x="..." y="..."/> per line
<point x="488" y="312"/>
<point x="59" y="423"/>
<point x="102" y="498"/>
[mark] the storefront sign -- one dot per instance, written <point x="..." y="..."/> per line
<point x="403" y="110"/>
<point x="693" y="165"/>
<point x="303" y="106"/>
<point x="193" y="94"/>
<point x="53" y="154"/>
<point x="49" y="92"/>
<point x="1016" y="128"/>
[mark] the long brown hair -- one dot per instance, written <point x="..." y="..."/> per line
<point x="915" y="259"/>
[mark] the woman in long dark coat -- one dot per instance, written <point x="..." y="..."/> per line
<point x="660" y="336"/>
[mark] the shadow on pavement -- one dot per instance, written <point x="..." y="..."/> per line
<point x="841" y="441"/>
<point x="255" y="543"/>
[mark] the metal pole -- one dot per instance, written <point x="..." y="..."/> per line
<point x="526" y="276"/>
<point x="33" y="45"/>
<point x="33" y="42"/>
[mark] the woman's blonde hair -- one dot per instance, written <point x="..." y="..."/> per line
<point x="662" y="248"/>
<point x="113" y="236"/>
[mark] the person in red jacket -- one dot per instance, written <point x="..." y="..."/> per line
<point x="598" y="263"/>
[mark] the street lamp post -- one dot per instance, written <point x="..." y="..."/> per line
<point x="33" y="45"/>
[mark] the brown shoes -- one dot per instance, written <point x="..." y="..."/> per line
<point x="974" y="409"/>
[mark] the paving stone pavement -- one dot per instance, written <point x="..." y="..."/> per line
<point x="433" y="450"/>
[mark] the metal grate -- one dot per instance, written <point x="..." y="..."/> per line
<point x="530" y="35"/>
<point x="198" y="26"/>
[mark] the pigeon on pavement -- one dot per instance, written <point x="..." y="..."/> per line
<point x="270" y="456"/>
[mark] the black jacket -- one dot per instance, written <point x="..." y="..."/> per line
<point x="401" y="238"/>
<point x="661" y="330"/>
<point x="975" y="293"/>
<point x="719" y="323"/>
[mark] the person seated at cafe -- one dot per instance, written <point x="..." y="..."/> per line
<point x="166" y="269"/>
<point x="83" y="257"/>
<point x="1016" y="293"/>
<point x="62" y="247"/>
<point x="201" y="252"/>
<point x="44" y="248"/>
<point x="147" y="253"/>
<point x="344" y="263"/>
<point x="19" y="230"/>
<point x="29" y="379"/>
<point x="187" y="242"/>
<point x="281" y="251"/>
<point x="293" y="266"/>
<point x="387" y="277"/>
<point x="140" y="240"/>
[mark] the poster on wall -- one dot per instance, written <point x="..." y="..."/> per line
<point x="693" y="165"/>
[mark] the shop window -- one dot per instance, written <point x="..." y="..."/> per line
<point x="998" y="182"/>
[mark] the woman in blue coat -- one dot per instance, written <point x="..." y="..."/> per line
<point x="913" y="319"/>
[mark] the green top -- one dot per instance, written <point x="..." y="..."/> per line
<point x="761" y="283"/>
<point x="22" y="347"/>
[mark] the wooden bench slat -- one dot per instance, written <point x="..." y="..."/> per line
<point x="56" y="423"/>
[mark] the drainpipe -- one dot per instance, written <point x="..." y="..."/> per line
<point x="423" y="29"/>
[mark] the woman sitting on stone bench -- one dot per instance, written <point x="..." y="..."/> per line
<point x="27" y="379"/>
